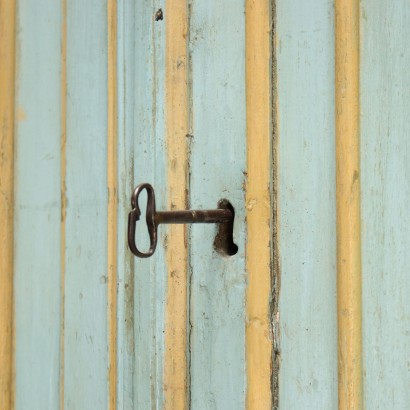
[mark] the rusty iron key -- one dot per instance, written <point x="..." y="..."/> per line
<point x="224" y="216"/>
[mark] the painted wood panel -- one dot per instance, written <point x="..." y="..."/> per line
<point x="125" y="342"/>
<point x="141" y="158"/>
<point x="7" y="94"/>
<point x="86" y="271"/>
<point x="261" y="211"/>
<point x="177" y="144"/>
<point x="217" y="166"/>
<point x="306" y="203"/>
<point x="37" y="205"/>
<point x="385" y="149"/>
<point x="348" y="231"/>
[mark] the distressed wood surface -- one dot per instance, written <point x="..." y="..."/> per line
<point x="63" y="186"/>
<point x="349" y="275"/>
<point x="7" y="74"/>
<point x="66" y="219"/>
<point x="385" y="150"/>
<point x="141" y="158"/>
<point x="37" y="206"/>
<point x="260" y="294"/>
<point x="112" y="185"/>
<point x="306" y="203"/>
<point x="125" y="260"/>
<point x="217" y="166"/>
<point x="177" y="145"/>
<point x="86" y="271"/>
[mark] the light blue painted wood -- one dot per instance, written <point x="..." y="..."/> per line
<point x="37" y="205"/>
<point x="218" y="160"/>
<point x="142" y="158"/>
<point x="86" y="338"/>
<point x="125" y="303"/>
<point x="385" y="150"/>
<point x="307" y="241"/>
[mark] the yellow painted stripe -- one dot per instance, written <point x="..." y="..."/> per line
<point x="258" y="200"/>
<point x="349" y="291"/>
<point x="63" y="173"/>
<point x="112" y="201"/>
<point x="7" y="58"/>
<point x="175" y="363"/>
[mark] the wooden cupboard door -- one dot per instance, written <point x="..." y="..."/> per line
<point x="293" y="111"/>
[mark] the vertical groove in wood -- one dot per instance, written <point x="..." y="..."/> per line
<point x="7" y="58"/>
<point x="63" y="171"/>
<point x="276" y="273"/>
<point x="112" y="201"/>
<point x="258" y="204"/>
<point x="175" y="365"/>
<point x="348" y="205"/>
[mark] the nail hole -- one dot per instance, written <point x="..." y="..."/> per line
<point x="159" y="15"/>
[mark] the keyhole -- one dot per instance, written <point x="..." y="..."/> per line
<point x="223" y="242"/>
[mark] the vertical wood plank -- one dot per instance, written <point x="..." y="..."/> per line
<point x="7" y="57"/>
<point x="125" y="340"/>
<point x="112" y="173"/>
<point x="349" y="290"/>
<point x="175" y="365"/>
<point x="141" y="157"/>
<point x="259" y="341"/>
<point x="86" y="275"/>
<point x="150" y="165"/>
<point x="37" y="205"/>
<point x="63" y="185"/>
<point x="126" y="90"/>
<point x="306" y="205"/>
<point x="385" y="150"/>
<point x="217" y="167"/>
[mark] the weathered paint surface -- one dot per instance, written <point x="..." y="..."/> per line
<point x="349" y="292"/>
<point x="63" y="186"/>
<point x="141" y="158"/>
<point x="385" y="150"/>
<point x="66" y="156"/>
<point x="7" y="72"/>
<point x="259" y="215"/>
<point x="218" y="163"/>
<point x="37" y="206"/>
<point x="307" y="221"/>
<point x="177" y="144"/>
<point x="86" y="272"/>
<point x="112" y="182"/>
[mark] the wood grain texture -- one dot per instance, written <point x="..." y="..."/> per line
<point x="37" y="211"/>
<point x="175" y="361"/>
<point x="86" y="276"/>
<point x="63" y="186"/>
<point x="349" y="290"/>
<point x="141" y="158"/>
<point x="306" y="205"/>
<point x="7" y="58"/>
<point x="259" y="214"/>
<point x="125" y="260"/>
<point x="112" y="182"/>
<point x="384" y="153"/>
<point x="217" y="166"/>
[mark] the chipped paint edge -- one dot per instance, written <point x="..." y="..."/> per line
<point x="349" y="293"/>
